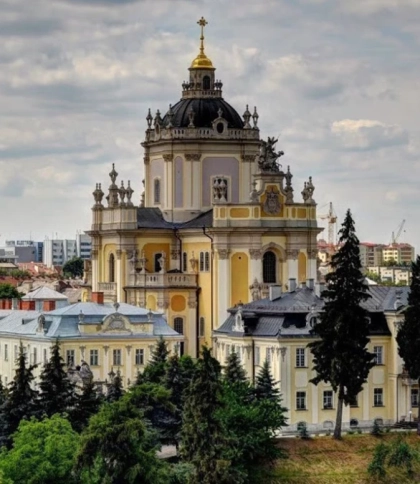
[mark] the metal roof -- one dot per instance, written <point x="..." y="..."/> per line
<point x="44" y="293"/>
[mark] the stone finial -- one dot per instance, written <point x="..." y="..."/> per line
<point x="254" y="195"/>
<point x="122" y="194"/>
<point x="158" y="119"/>
<point x="255" y="117"/>
<point x="247" y="117"/>
<point x="170" y="115"/>
<point x="98" y="194"/>
<point x="289" y="189"/>
<point x="81" y="317"/>
<point x="129" y="193"/>
<point x="305" y="192"/>
<point x="220" y="112"/>
<point x="149" y="119"/>
<point x="113" y="174"/>
<point x="150" y="316"/>
<point x="310" y="188"/>
<point x="113" y="190"/>
<point x="116" y="306"/>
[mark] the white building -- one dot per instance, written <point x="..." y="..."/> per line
<point x="83" y="246"/>
<point x="58" y="251"/>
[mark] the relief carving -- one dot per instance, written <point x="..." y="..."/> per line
<point x="256" y="254"/>
<point x="292" y="254"/>
<point x="272" y="203"/>
<point x="223" y="253"/>
<point x="193" y="156"/>
<point x="168" y="157"/>
<point x="248" y="158"/>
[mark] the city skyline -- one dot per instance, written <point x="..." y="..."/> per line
<point x="337" y="81"/>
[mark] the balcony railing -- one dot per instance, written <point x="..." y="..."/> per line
<point x="165" y="280"/>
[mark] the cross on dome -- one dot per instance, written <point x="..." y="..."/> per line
<point x="202" y="61"/>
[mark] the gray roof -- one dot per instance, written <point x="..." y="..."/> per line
<point x="64" y="322"/>
<point x="44" y="293"/>
<point x="286" y="316"/>
<point x="152" y="218"/>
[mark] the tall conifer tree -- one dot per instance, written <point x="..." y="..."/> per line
<point x="87" y="404"/>
<point x="340" y="354"/>
<point x="234" y="371"/>
<point x="155" y="370"/>
<point x="115" y="389"/>
<point x="265" y="386"/>
<point x="408" y="336"/>
<point x="21" y="399"/>
<point x="57" y="392"/>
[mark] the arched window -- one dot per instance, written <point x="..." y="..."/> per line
<point x="158" y="258"/>
<point x="156" y="186"/>
<point x="179" y="325"/>
<point x="269" y="267"/>
<point x="202" y="327"/>
<point x="206" y="82"/>
<point x="111" y="268"/>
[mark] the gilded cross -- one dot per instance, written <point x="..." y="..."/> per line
<point x="202" y="23"/>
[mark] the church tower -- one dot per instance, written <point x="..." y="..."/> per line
<point x="217" y="224"/>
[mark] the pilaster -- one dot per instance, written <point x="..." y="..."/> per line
<point x="192" y="327"/>
<point x="223" y="285"/>
<point x="292" y="263"/>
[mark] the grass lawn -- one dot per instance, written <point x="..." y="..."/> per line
<point x="323" y="460"/>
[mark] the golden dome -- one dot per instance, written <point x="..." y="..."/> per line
<point x="202" y="61"/>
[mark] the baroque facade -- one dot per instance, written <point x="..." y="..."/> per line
<point x="218" y="222"/>
<point x="279" y="328"/>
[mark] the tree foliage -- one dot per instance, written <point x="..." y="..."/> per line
<point x="340" y="354"/>
<point x="43" y="452"/>
<point x="115" y="388"/>
<point x="234" y="371"/>
<point x="154" y="372"/>
<point x="87" y="404"/>
<point x="56" y="391"/>
<point x="8" y="291"/>
<point x="408" y="336"/>
<point x="74" y="267"/>
<point x="21" y="399"/>
<point x="265" y="387"/>
<point x="118" y="448"/>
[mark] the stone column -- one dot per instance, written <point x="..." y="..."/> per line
<point x="192" y="328"/>
<point x="129" y="366"/>
<point x="223" y="285"/>
<point x="292" y="263"/>
<point x="119" y="278"/>
<point x="311" y="269"/>
<point x="256" y="265"/>
<point x="95" y="270"/>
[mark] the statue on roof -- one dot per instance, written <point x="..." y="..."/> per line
<point x="267" y="157"/>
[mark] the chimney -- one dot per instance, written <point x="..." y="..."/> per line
<point x="15" y="303"/>
<point x="275" y="292"/>
<point x="27" y="305"/>
<point x="319" y="288"/>
<point x="292" y="284"/>
<point x="2" y="303"/>
<point x="303" y="285"/>
<point x="98" y="297"/>
<point x="7" y="304"/>
<point x="310" y="284"/>
<point x="48" y="306"/>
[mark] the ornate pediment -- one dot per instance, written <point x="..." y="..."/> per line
<point x="116" y="323"/>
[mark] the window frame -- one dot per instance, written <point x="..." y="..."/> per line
<point x="94" y="357"/>
<point x="300" y="352"/>
<point x="157" y="191"/>
<point x="139" y="357"/>
<point x="378" y="397"/>
<point x="202" y="327"/>
<point x="414" y="401"/>
<point x="269" y="271"/>
<point x="117" y="357"/>
<point x="70" y="356"/>
<point x="328" y="400"/>
<point x="378" y="351"/>
<point x="6" y="352"/>
<point x="179" y="322"/>
<point x="301" y="400"/>
<point x="257" y="356"/>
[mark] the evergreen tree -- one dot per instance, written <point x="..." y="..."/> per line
<point x="234" y="371"/>
<point x="87" y="404"/>
<point x="115" y="389"/>
<point x="155" y="370"/>
<point x="57" y="392"/>
<point x="3" y="393"/>
<point x="408" y="336"/>
<point x="203" y="440"/>
<point x="20" y="402"/>
<point x="265" y="387"/>
<point x="340" y="354"/>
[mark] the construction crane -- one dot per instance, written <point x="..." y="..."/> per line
<point x="332" y="220"/>
<point x="394" y="238"/>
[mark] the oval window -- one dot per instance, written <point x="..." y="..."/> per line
<point x="220" y="128"/>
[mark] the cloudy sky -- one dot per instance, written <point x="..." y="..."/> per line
<point x="338" y="79"/>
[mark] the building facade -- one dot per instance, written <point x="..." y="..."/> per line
<point x="58" y="251"/>
<point x="279" y="328"/>
<point x="219" y="220"/>
<point x="24" y="250"/>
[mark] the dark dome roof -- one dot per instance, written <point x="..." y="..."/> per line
<point x="205" y="112"/>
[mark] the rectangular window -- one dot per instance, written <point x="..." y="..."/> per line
<point x="70" y="357"/>
<point x="15" y="354"/>
<point x="6" y="353"/>
<point x="202" y="327"/>
<point x="268" y="355"/>
<point x="94" y="357"/>
<point x="300" y="357"/>
<point x="300" y="400"/>
<point x="35" y="356"/>
<point x="354" y="402"/>
<point x="116" y="360"/>
<point x="257" y="356"/>
<point x="227" y="350"/>
<point x="328" y="399"/>
<point x="201" y="261"/>
<point x="45" y="355"/>
<point x="184" y="262"/>
<point x="378" y="397"/>
<point x="379" y="355"/>
<point x="139" y="356"/>
<point x="414" y="397"/>
<point x="206" y="261"/>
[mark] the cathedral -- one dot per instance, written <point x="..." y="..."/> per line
<point x="219" y="220"/>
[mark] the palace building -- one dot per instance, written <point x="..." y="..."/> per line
<point x="219" y="220"/>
